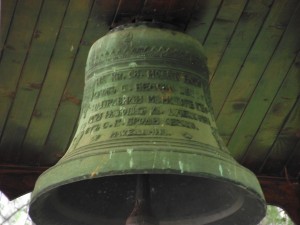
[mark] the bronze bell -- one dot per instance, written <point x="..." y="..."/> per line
<point x="147" y="150"/>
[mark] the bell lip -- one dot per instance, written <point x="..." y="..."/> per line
<point x="50" y="179"/>
<point x="53" y="178"/>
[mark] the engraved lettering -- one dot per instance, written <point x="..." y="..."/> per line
<point x="150" y="52"/>
<point x="163" y="87"/>
<point x="101" y="80"/>
<point x="117" y="76"/>
<point x="192" y="80"/>
<point x="95" y="118"/>
<point x="92" y="129"/>
<point x="119" y="122"/>
<point x="200" y="107"/>
<point x="139" y="132"/>
<point x="187" y="92"/>
<point x="126" y="88"/>
<point x="143" y="121"/>
<point x="156" y="111"/>
<point x="172" y="101"/>
<point x="120" y="101"/>
<point x="135" y="74"/>
<point x="107" y="125"/>
<point x="95" y="138"/>
<point x="164" y="75"/>
<point x="133" y="111"/>
<point x="133" y="100"/>
<point x="171" y="75"/>
<point x="104" y="92"/>
<point x="181" y="123"/>
<point x="189" y="115"/>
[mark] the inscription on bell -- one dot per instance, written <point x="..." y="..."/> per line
<point x="146" y="102"/>
<point x="150" y="75"/>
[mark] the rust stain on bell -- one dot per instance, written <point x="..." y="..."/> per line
<point x="147" y="109"/>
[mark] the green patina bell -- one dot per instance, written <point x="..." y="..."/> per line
<point x="147" y="150"/>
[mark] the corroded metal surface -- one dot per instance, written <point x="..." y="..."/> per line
<point x="147" y="110"/>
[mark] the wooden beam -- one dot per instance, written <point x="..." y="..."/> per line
<point x="16" y="180"/>
<point x="284" y="193"/>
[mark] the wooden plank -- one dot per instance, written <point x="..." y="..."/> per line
<point x="266" y="89"/>
<point x="282" y="192"/>
<point x="16" y="180"/>
<point x="32" y="78"/>
<point x="254" y="66"/>
<point x="269" y="140"/>
<point x="176" y="12"/>
<point x="59" y="67"/>
<point x="67" y="114"/>
<point x="179" y="12"/>
<point x="221" y="31"/>
<point x="150" y="10"/>
<point x="126" y="11"/>
<point x="285" y="143"/>
<point x="15" y="52"/>
<point x="7" y="12"/>
<point x="240" y="44"/>
<point x="202" y="19"/>
<point x="293" y="163"/>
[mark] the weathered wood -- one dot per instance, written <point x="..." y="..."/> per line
<point x="285" y="143"/>
<point x="15" y="52"/>
<point x="7" y="12"/>
<point x="202" y="19"/>
<point x="284" y="193"/>
<point x="267" y="87"/>
<point x="68" y="40"/>
<point x="221" y="31"/>
<point x="292" y="165"/>
<point x="126" y="11"/>
<point x="179" y="12"/>
<point x="169" y="12"/>
<point x="277" y="133"/>
<point x="32" y="79"/>
<point x="254" y="66"/>
<point x="67" y="114"/>
<point x="16" y="180"/>
<point x="240" y="44"/>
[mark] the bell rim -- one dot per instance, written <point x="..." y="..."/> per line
<point x="89" y="172"/>
<point x="249" y="187"/>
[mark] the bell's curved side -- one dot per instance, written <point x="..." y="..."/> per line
<point x="147" y="110"/>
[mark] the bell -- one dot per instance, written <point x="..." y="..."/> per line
<point x="147" y="150"/>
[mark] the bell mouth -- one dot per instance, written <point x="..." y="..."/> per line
<point x="174" y="200"/>
<point x="186" y="189"/>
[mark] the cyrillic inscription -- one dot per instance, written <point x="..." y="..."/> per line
<point x="104" y="92"/>
<point x="119" y="101"/>
<point x="140" y="132"/>
<point x="189" y="115"/>
<point x="149" y="74"/>
<point x="145" y="102"/>
<point x="133" y="111"/>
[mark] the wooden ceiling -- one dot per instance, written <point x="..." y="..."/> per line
<point x="253" y="50"/>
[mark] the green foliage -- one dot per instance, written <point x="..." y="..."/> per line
<point x="276" y="216"/>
